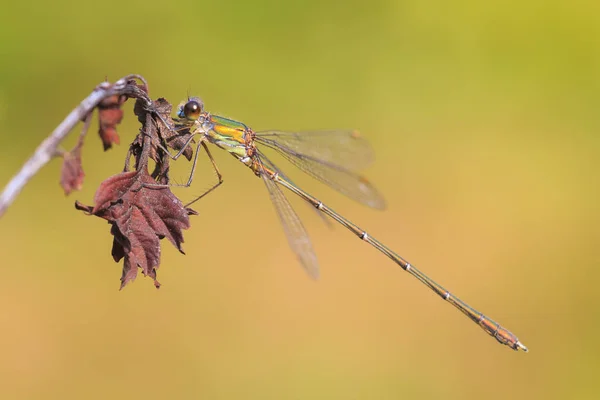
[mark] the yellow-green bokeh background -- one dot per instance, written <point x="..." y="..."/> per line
<point x="484" y="118"/>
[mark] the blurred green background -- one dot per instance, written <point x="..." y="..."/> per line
<point x="484" y="118"/>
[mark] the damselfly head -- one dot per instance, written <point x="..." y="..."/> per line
<point x="191" y="109"/>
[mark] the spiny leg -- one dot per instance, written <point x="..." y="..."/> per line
<point x="214" y="164"/>
<point x="186" y="144"/>
<point x="172" y="129"/>
<point x="189" y="182"/>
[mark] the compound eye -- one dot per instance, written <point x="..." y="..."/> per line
<point x="192" y="110"/>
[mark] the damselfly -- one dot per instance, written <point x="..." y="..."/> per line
<point x="332" y="157"/>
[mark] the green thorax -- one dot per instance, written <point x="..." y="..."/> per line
<point x="228" y="134"/>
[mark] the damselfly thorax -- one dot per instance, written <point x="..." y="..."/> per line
<point x="235" y="137"/>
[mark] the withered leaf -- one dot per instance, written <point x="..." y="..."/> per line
<point x="110" y="115"/>
<point x="140" y="216"/>
<point x="175" y="137"/>
<point x="71" y="174"/>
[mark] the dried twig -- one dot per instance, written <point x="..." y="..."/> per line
<point x="49" y="147"/>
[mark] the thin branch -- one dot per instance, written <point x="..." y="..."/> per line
<point x="49" y="147"/>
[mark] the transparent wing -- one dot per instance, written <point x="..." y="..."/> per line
<point x="336" y="176"/>
<point x="296" y="234"/>
<point x="274" y="168"/>
<point x="345" y="148"/>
